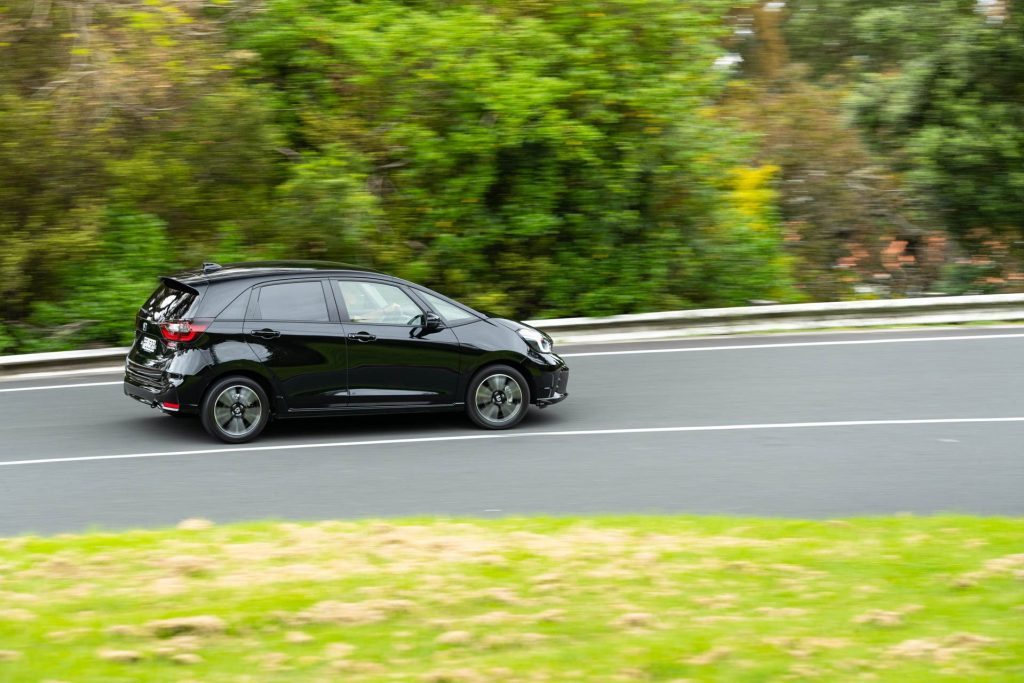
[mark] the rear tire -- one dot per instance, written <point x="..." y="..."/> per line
<point x="235" y="409"/>
<point x="498" y="397"/>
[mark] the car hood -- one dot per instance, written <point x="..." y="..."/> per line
<point x="516" y="325"/>
<point x="505" y="322"/>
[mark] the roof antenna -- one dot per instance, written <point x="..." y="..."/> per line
<point x="210" y="267"/>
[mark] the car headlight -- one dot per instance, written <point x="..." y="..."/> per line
<point x="536" y="339"/>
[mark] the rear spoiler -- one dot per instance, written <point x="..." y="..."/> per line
<point x="178" y="284"/>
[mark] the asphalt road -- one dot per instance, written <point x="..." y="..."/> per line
<point x="817" y="425"/>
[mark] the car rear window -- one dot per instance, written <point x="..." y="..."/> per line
<point x="169" y="303"/>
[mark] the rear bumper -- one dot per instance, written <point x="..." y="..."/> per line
<point x="164" y="398"/>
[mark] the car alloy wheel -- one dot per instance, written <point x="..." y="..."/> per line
<point x="235" y="410"/>
<point x="498" y="398"/>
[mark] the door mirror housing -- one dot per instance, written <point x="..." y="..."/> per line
<point x="432" y="321"/>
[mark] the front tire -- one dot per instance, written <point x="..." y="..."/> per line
<point x="235" y="409"/>
<point x="498" y="397"/>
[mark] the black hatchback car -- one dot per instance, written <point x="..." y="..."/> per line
<point x="243" y="343"/>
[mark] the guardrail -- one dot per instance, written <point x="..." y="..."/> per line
<point x="62" y="360"/>
<point x="786" y="317"/>
<point x="671" y="324"/>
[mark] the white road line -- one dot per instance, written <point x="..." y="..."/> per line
<point x="520" y="435"/>
<point x="736" y="347"/>
<point x="786" y="345"/>
<point x="63" y="386"/>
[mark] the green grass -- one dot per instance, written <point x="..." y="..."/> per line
<point x="609" y="599"/>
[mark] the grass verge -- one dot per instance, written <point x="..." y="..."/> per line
<point x="606" y="599"/>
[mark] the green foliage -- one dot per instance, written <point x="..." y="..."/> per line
<point x="952" y="122"/>
<point x="939" y="96"/>
<point x="325" y="208"/>
<point x="970" y="278"/>
<point x="841" y="207"/>
<point x="7" y="340"/>
<point x="48" y="208"/>
<point x="528" y="157"/>
<point x="109" y="105"/>
<point x="533" y="158"/>
<point x="105" y="292"/>
<point x="869" y="36"/>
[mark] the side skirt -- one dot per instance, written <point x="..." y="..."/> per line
<point x="372" y="410"/>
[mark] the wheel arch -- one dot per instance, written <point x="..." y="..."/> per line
<point x="522" y="368"/>
<point x="249" y="373"/>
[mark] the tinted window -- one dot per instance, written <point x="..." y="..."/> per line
<point x="303" y="301"/>
<point x="450" y="313"/>
<point x="236" y="309"/>
<point x="374" y="302"/>
<point x="169" y="303"/>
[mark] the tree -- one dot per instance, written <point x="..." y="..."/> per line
<point x="952" y="122"/>
<point x="108" y="111"/>
<point x="532" y="157"/>
<point x="841" y="208"/>
<point x="852" y="37"/>
<point x="939" y="97"/>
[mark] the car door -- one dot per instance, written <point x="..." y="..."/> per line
<point x="299" y="339"/>
<point x="393" y="360"/>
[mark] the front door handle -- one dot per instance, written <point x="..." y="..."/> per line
<point x="362" y="337"/>
<point x="265" y="333"/>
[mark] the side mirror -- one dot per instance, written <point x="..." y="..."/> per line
<point x="432" y="321"/>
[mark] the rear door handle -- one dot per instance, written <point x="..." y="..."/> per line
<point x="362" y="336"/>
<point x="265" y="333"/>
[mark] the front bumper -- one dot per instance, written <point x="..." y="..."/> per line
<point x="553" y="387"/>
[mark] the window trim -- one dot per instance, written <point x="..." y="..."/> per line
<point x="254" y="299"/>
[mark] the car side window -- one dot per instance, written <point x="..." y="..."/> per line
<point x="450" y="313"/>
<point x="297" y="301"/>
<point x="376" y="302"/>
<point x="236" y="309"/>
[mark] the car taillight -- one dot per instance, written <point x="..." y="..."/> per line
<point x="183" y="330"/>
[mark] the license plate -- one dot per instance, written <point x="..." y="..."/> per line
<point x="148" y="344"/>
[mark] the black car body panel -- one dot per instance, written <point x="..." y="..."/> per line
<point x="266" y="321"/>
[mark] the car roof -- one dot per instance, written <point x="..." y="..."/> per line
<point x="212" y="272"/>
<point x="249" y="273"/>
